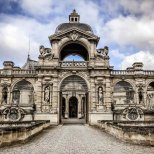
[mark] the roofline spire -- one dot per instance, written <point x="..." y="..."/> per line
<point x="28" y="58"/>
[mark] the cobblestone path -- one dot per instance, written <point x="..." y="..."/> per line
<point x="75" y="139"/>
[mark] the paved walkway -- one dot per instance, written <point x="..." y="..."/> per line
<point x="76" y="139"/>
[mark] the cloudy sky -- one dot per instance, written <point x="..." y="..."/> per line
<point x="126" y="26"/>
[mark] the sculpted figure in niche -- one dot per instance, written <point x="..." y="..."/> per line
<point x="47" y="94"/>
<point x="150" y="99"/>
<point x="140" y="95"/>
<point x="100" y="96"/>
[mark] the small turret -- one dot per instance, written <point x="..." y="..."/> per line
<point x="74" y="17"/>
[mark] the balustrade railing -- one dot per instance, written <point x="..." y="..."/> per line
<point x="24" y="72"/>
<point x="132" y="72"/>
<point x="148" y="72"/>
<point x="17" y="72"/>
<point x="122" y="72"/>
<point x="73" y="64"/>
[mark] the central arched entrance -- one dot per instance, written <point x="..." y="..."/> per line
<point x="73" y="99"/>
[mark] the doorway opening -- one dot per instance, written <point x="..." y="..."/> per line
<point x="73" y="107"/>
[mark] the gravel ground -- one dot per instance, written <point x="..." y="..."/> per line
<point x="75" y="139"/>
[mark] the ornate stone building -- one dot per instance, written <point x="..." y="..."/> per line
<point x="56" y="88"/>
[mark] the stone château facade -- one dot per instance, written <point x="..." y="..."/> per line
<point x="54" y="89"/>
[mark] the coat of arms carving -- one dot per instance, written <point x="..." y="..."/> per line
<point x="74" y="36"/>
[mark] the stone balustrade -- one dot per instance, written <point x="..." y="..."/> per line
<point x="24" y="72"/>
<point x="132" y="72"/>
<point x="122" y="72"/>
<point x="18" y="72"/>
<point x="147" y="72"/>
<point x="73" y="64"/>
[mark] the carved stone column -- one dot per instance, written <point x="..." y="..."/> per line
<point x="79" y="106"/>
<point x="67" y="107"/>
<point x="108" y="95"/>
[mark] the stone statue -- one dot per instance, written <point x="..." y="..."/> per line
<point x="47" y="94"/>
<point x="44" y="51"/>
<point x="102" y="52"/>
<point x="41" y="49"/>
<point x="105" y="51"/>
<point x="150" y="101"/>
<point x="100" y="96"/>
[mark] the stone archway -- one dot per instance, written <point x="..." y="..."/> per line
<point x="150" y="96"/>
<point x="74" y="49"/>
<point x="23" y="93"/>
<point x="75" y="91"/>
<point x="123" y="93"/>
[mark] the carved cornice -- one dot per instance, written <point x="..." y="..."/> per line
<point x="74" y="32"/>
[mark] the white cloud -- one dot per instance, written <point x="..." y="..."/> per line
<point x="15" y="34"/>
<point x="142" y="56"/>
<point x="15" y="30"/>
<point x="116" y="53"/>
<point x="130" y="31"/>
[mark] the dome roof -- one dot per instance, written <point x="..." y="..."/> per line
<point x="74" y="21"/>
<point x="66" y="26"/>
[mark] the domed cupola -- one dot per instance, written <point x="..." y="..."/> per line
<point x="74" y="17"/>
<point x="74" y="21"/>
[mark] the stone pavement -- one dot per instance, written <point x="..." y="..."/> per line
<point x="75" y="139"/>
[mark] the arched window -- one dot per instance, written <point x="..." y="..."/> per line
<point x="123" y="93"/>
<point x="23" y="92"/>
<point x="74" y="50"/>
<point x="150" y="96"/>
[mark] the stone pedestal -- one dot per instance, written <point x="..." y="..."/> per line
<point x="100" y="108"/>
